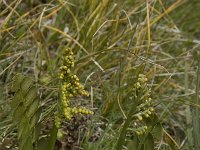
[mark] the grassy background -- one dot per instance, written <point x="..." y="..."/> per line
<point x="112" y="41"/>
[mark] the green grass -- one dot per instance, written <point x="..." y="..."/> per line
<point x="113" y="42"/>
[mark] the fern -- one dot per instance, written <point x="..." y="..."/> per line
<point x="140" y="113"/>
<point x="26" y="111"/>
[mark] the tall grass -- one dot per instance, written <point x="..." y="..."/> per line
<point x="113" y="42"/>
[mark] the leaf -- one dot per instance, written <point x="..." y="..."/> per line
<point x="36" y="133"/>
<point x="52" y="138"/>
<point x="157" y="131"/>
<point x="26" y="112"/>
<point x="30" y="96"/>
<point x="151" y="121"/>
<point x="31" y="110"/>
<point x="25" y="85"/>
<point x="18" y="113"/>
<point x="18" y="98"/>
<point x="23" y="129"/>
<point x="27" y="143"/>
<point x="43" y="143"/>
<point x="134" y="143"/>
<point x="149" y="142"/>
<point x="35" y="118"/>
<point x="17" y="82"/>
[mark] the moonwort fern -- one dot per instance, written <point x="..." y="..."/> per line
<point x="140" y="117"/>
<point x="26" y="111"/>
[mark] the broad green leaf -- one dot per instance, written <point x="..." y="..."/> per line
<point x="17" y="82"/>
<point x="25" y="85"/>
<point x="52" y="138"/>
<point x="18" y="113"/>
<point x="30" y="96"/>
<point x="36" y="132"/>
<point x="31" y="110"/>
<point x="43" y="143"/>
<point x="157" y="131"/>
<point x="134" y="143"/>
<point x="23" y="129"/>
<point x="18" y="98"/>
<point x="149" y="142"/>
<point x="25" y="106"/>
<point x="27" y="144"/>
<point x="33" y="121"/>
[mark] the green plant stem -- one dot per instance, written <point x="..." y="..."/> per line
<point x="121" y="140"/>
<point x="195" y="113"/>
<point x="52" y="138"/>
<point x="188" y="111"/>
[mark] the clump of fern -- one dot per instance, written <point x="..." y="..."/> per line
<point x="144" y="109"/>
<point x="26" y="111"/>
<point x="70" y="87"/>
<point x="140" y="109"/>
